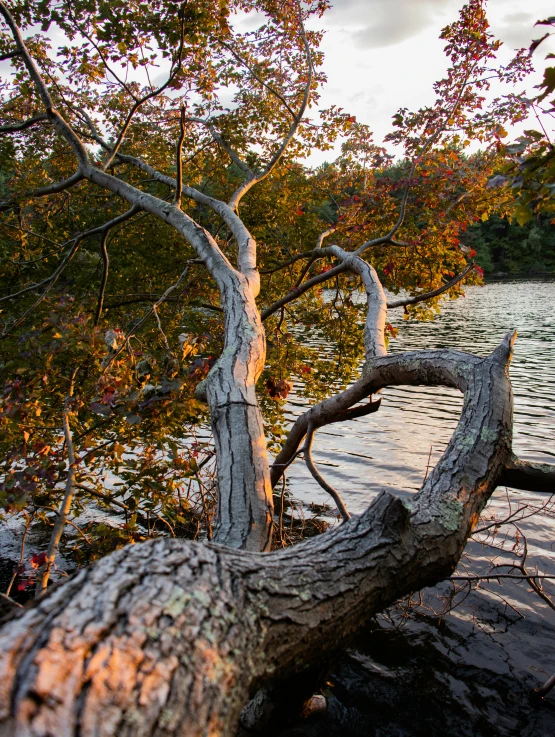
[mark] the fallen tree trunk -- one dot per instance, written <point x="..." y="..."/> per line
<point x="172" y="637"/>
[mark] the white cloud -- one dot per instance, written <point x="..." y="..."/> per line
<point x="379" y="23"/>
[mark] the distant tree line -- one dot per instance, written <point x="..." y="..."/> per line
<point x="505" y="247"/>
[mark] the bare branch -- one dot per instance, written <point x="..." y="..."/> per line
<point x="28" y="520"/>
<point x="434" y="293"/>
<point x="546" y="688"/>
<point x="145" y="317"/>
<point x="312" y="255"/>
<point x="104" y="279"/>
<point x="100" y="495"/>
<point x="54" y="544"/>
<point x="528" y="476"/>
<point x="52" y="279"/>
<point x="15" y="127"/>
<point x="374" y="328"/>
<point x="361" y="410"/>
<point x="76" y="241"/>
<point x="178" y="160"/>
<point x="244" y="188"/>
<point x="290" y="262"/>
<point x="318" y="476"/>
<point x="245" y="242"/>
<point x="9" y="55"/>
<point x="258" y="78"/>
<point x="57" y="120"/>
<point x="49" y="189"/>
<point x="300" y="290"/>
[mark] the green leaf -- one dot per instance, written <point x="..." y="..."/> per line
<point x="523" y="214"/>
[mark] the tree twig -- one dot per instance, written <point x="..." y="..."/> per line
<point x="59" y="524"/>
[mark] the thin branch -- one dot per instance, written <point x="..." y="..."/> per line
<point x="54" y="544"/>
<point x="176" y="66"/>
<point x="224" y="144"/>
<point x="104" y="279"/>
<point x="546" y="688"/>
<point x="434" y="293"/>
<point x="152" y="310"/>
<point x="57" y="120"/>
<point x="51" y="280"/>
<point x="105" y="497"/>
<point x="257" y="77"/>
<point x="179" y="160"/>
<point x="244" y="188"/>
<point x="48" y="189"/>
<point x="318" y="476"/>
<point x="28" y="520"/>
<point x="15" y="127"/>
<point x="360" y="410"/>
<point x="301" y="289"/>
<point x="290" y="262"/>
<point x="9" y="55"/>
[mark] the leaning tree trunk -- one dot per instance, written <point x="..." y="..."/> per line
<point x="245" y="505"/>
<point x="171" y="637"/>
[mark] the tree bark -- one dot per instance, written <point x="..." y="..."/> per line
<point x="245" y="504"/>
<point x="171" y="637"/>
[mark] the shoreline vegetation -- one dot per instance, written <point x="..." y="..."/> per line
<point x="506" y="249"/>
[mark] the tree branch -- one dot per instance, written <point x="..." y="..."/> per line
<point x="244" y="188"/>
<point x="318" y="476"/>
<point x="51" y="280"/>
<point x="301" y="289"/>
<point x="178" y="160"/>
<point x="15" y="127"/>
<point x="57" y="120"/>
<point x="54" y="544"/>
<point x="9" y="55"/>
<point x="528" y="476"/>
<point x="257" y="77"/>
<point x="434" y="293"/>
<point x="104" y="279"/>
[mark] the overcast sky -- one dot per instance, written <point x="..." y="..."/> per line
<point x="386" y="54"/>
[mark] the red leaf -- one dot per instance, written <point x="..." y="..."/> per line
<point x="38" y="560"/>
<point x="278" y="388"/>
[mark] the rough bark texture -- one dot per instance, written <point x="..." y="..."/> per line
<point x="245" y="506"/>
<point x="171" y="637"/>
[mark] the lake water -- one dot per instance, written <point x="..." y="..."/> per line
<point x="469" y="672"/>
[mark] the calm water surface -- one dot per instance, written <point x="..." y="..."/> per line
<point x="391" y="449"/>
<point x="468" y="673"/>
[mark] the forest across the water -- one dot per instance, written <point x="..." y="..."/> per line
<point x="507" y="248"/>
